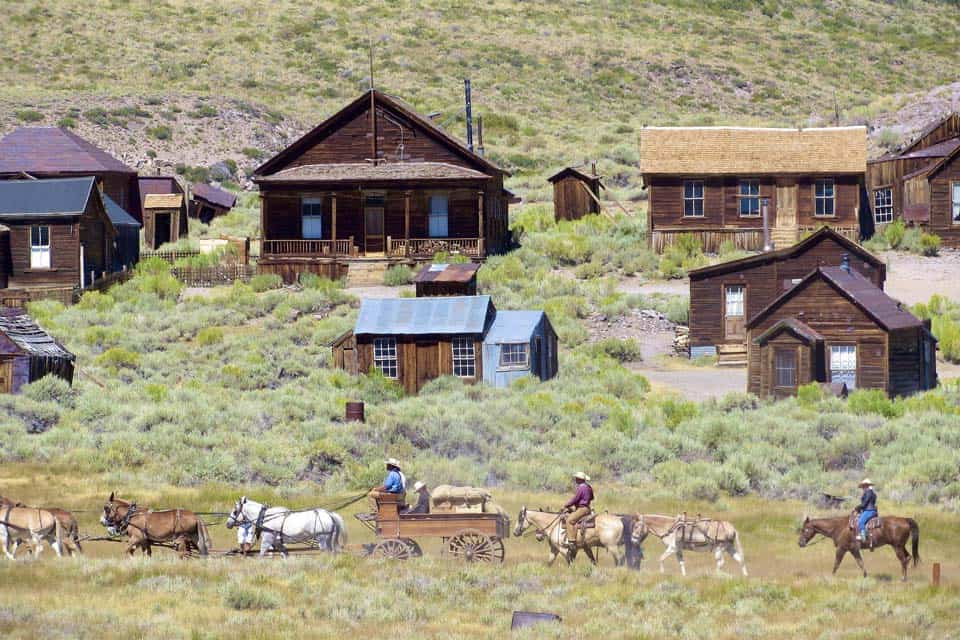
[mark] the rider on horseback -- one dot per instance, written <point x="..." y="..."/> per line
<point x="578" y="506"/>
<point x="867" y="509"/>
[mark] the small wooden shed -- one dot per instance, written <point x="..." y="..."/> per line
<point x="207" y="202"/>
<point x="575" y="194"/>
<point x="163" y="219"/>
<point x="458" y="279"/>
<point x="27" y="352"/>
<point x="126" y="253"/>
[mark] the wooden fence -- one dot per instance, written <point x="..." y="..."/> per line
<point x="170" y="256"/>
<point x="214" y="276"/>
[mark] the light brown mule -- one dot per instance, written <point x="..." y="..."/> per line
<point x="894" y="531"/>
<point x="679" y="534"/>
<point x="145" y="527"/>
<point x="71" y="530"/>
<point x="28" y="523"/>
<point x="610" y="532"/>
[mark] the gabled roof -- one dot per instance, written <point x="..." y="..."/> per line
<point x="884" y="310"/>
<point x="118" y="216"/>
<point x="29" y="337"/>
<point x="359" y="105"/>
<point x="47" y="150"/>
<point x="789" y="252"/>
<point x="213" y="195"/>
<point x="792" y="325"/>
<point x="575" y="172"/>
<point x="933" y="168"/>
<point x="423" y="316"/>
<point x="513" y="326"/>
<point x="927" y="131"/>
<point x="454" y="272"/>
<point x="749" y="151"/>
<point x="364" y="172"/>
<point x="60" y="197"/>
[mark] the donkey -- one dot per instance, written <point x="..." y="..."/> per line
<point x="145" y="527"/>
<point x="679" y="534"/>
<point x="892" y="530"/>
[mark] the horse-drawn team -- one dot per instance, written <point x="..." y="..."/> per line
<point x="474" y="536"/>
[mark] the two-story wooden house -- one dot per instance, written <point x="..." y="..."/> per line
<point x="377" y="181"/>
<point x="714" y="182"/>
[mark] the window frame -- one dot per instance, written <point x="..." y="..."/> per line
<point x="694" y="199"/>
<point x="856" y="364"/>
<point x="888" y="207"/>
<point x="431" y="216"/>
<point x="749" y="196"/>
<point x="462" y="359"/>
<point x="742" y="303"/>
<point x="316" y="216"/>
<point x="955" y="203"/>
<point x="832" y="199"/>
<point x="777" y="368"/>
<point x="385" y="352"/>
<point x="511" y="363"/>
<point x="40" y="249"/>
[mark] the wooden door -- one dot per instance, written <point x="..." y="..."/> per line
<point x="428" y="363"/>
<point x="734" y="312"/>
<point x="163" y="229"/>
<point x="6" y="376"/>
<point x="784" y="229"/>
<point x="350" y="361"/>
<point x="374" y="205"/>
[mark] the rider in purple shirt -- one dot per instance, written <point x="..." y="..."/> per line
<point x="579" y="506"/>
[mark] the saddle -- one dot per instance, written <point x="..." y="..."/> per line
<point x="872" y="523"/>
<point x="589" y="522"/>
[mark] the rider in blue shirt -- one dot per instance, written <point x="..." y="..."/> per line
<point x="867" y="508"/>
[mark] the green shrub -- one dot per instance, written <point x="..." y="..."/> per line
<point x="265" y="282"/>
<point x="627" y="350"/>
<point x="119" y="358"/>
<point x="810" y="394"/>
<point x="894" y="232"/>
<point x="67" y="122"/>
<point x="254" y="153"/>
<point x="97" y="116"/>
<point x="160" y="132"/>
<point x="210" y="335"/>
<point x="249" y="598"/>
<point x="911" y="240"/>
<point x="28" y="115"/>
<point x="398" y="276"/>
<point x="929" y="244"/>
<point x="864" y="401"/>
<point x="50" y="388"/>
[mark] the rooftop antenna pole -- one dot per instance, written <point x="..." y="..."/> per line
<point x="469" y="107"/>
<point x="373" y="107"/>
<point x="836" y="109"/>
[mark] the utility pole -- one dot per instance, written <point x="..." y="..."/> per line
<point x="469" y="107"/>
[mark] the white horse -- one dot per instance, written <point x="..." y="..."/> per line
<point x="279" y="526"/>
<point x="680" y="534"/>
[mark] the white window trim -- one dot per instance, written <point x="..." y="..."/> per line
<point x="702" y="199"/>
<point x="468" y="360"/>
<point x="431" y="216"/>
<point x="832" y="198"/>
<point x="742" y="196"/>
<point x="41" y="251"/>
<point x="379" y="361"/>
<point x="856" y="363"/>
<point x="888" y="214"/>
<point x="525" y="365"/>
<point x="743" y="300"/>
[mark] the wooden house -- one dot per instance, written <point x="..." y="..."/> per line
<point x="414" y="340"/>
<point x="921" y="182"/>
<point x="724" y="296"/>
<point x="163" y="219"/>
<point x="27" y="352"/>
<point x="207" y="202"/>
<point x="837" y="326"/>
<point x="161" y="185"/>
<point x="456" y="279"/>
<point x="60" y="237"/>
<point x="50" y="152"/>
<point x="575" y="193"/>
<point x="713" y="183"/>
<point x="377" y="181"/>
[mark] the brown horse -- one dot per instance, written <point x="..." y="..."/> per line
<point x="71" y="530"/>
<point x="145" y="527"/>
<point x="893" y="531"/>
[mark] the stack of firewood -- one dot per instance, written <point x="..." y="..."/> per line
<point x="681" y="341"/>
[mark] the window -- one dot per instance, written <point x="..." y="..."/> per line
<point x="824" y="200"/>
<point x="749" y="194"/>
<point x="734" y="300"/>
<point x="955" y="200"/>
<point x="385" y="356"/>
<point x="785" y="363"/>
<point x="464" y="357"/>
<point x="883" y="205"/>
<point x="693" y="199"/>
<point x="310" y="213"/>
<point x="843" y="364"/>
<point x="514" y="355"/>
<point x="438" y="217"/>
<point x="39" y="247"/>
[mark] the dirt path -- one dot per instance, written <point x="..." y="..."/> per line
<point x="912" y="279"/>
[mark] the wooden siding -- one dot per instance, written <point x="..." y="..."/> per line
<point x="763" y="282"/>
<point x="947" y="128"/>
<point x="941" y="212"/>
<point x="761" y="371"/>
<point x="571" y="198"/>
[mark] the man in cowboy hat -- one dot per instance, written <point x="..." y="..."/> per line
<point x="394" y="483"/>
<point x="423" y="499"/>
<point x="867" y="508"/>
<point x="578" y="506"/>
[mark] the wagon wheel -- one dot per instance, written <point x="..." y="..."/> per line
<point x="393" y="549"/>
<point x="472" y="546"/>
<point x="415" y="550"/>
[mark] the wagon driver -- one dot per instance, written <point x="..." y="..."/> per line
<point x="394" y="483"/>
<point x="578" y="506"/>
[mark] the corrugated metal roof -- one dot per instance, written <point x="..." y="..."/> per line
<point x="116" y="213"/>
<point x="513" y="326"/>
<point x="456" y="272"/>
<point x="44" y="150"/>
<point x="55" y="197"/>
<point x="162" y="201"/>
<point x="27" y="335"/>
<point x="422" y="316"/>
<point x="214" y="195"/>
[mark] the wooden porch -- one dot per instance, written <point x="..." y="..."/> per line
<point x="416" y="248"/>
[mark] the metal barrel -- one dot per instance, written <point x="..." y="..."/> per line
<point x="355" y="412"/>
<point x="524" y="619"/>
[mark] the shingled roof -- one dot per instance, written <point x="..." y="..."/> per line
<point x="29" y="337"/>
<point x="51" y="150"/>
<point x="749" y="151"/>
<point x="364" y="172"/>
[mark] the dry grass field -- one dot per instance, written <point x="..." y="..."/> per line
<point x="789" y="593"/>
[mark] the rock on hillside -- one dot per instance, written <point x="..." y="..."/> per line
<point x="156" y="134"/>
<point x="915" y="112"/>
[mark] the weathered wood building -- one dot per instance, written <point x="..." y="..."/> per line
<point x="724" y="296"/>
<point x="837" y="326"/>
<point x="50" y="152"/>
<point x="415" y="340"/>
<point x="575" y="193"/>
<point x="126" y="244"/>
<point x="455" y="279"/>
<point x="921" y="182"/>
<point x="713" y="182"/>
<point x="207" y="202"/>
<point x="377" y="181"/>
<point x="27" y="352"/>
<point x="163" y="219"/>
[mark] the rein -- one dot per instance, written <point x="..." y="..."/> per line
<point x="541" y="531"/>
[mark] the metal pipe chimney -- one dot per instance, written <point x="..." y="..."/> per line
<point x="765" y="211"/>
<point x="469" y="109"/>
<point x="480" y="135"/>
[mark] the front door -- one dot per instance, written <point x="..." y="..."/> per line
<point x="162" y="229"/>
<point x="734" y="315"/>
<point x="6" y="376"/>
<point x="785" y="228"/>
<point x="373" y="226"/>
<point x="428" y="362"/>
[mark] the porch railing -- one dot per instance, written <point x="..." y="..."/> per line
<point x="308" y="247"/>
<point x="428" y="247"/>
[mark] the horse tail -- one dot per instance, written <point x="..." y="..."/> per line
<point x="203" y="538"/>
<point x="632" y="552"/>
<point x="339" y="536"/>
<point x="57" y="532"/>
<point x="915" y="540"/>
<point x="736" y="543"/>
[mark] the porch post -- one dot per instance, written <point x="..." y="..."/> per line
<point x="333" y="219"/>
<point x="480" y="232"/>
<point x="406" y="223"/>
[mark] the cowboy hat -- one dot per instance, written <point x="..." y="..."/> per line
<point x="580" y="475"/>
<point x="866" y="482"/>
<point x="392" y="462"/>
<point x="418" y="485"/>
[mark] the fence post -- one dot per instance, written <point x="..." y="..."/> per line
<point x="936" y="574"/>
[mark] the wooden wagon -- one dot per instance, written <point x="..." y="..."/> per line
<point x="471" y="537"/>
